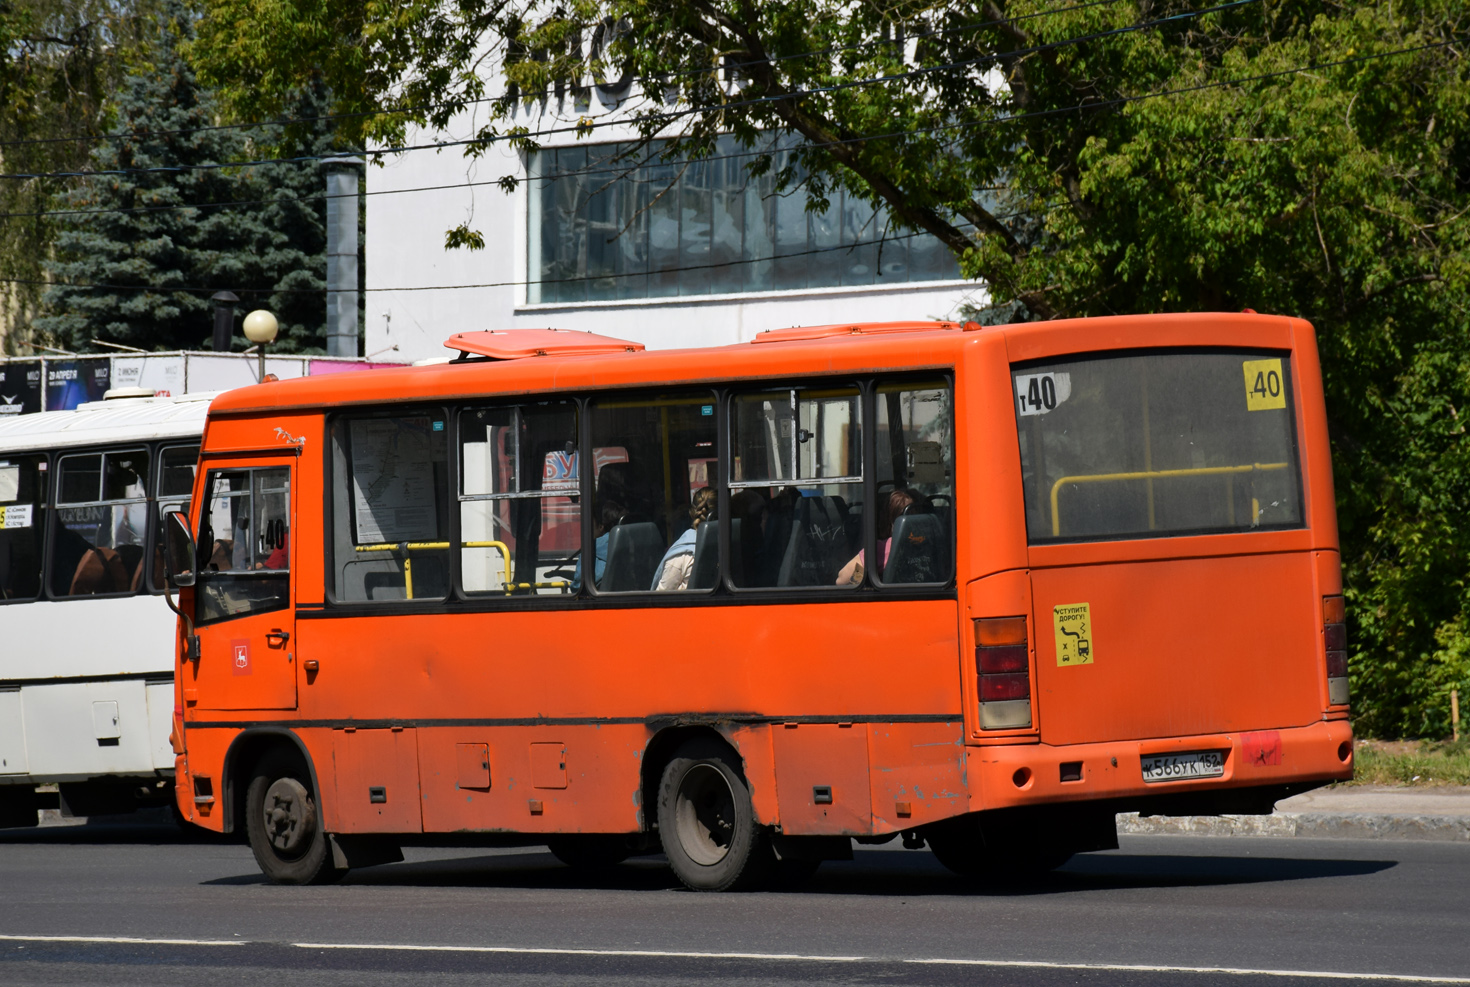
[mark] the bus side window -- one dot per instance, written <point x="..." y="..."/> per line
<point x="244" y="543"/>
<point x="176" y="466"/>
<point x="796" y="479"/>
<point x="101" y="524"/>
<point x="652" y="502"/>
<point x="519" y="514"/>
<point x="915" y="467"/>
<point x="390" y="536"/>
<point x="22" y="506"/>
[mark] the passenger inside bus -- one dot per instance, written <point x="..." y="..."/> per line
<point x="899" y="501"/>
<point x="675" y="568"/>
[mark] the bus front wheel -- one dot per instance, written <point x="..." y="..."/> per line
<point x="283" y="823"/>
<point x="707" y="824"/>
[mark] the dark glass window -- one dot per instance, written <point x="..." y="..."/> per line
<point x="22" y="523"/>
<point x="244" y="543"/>
<point x="1154" y="444"/>
<point x="101" y="531"/>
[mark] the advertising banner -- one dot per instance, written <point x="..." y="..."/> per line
<point x="162" y="374"/>
<point x="20" y="387"/>
<point x="76" y="381"/>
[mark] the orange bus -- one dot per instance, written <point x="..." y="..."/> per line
<point x="983" y="588"/>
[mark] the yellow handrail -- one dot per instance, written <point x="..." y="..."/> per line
<point x="1056" y="520"/>
<point x="414" y="546"/>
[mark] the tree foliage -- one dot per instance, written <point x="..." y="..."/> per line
<point x="1298" y="156"/>
<point x="159" y="221"/>
<point x="59" y="60"/>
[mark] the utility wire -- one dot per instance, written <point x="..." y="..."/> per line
<point x="662" y="118"/>
<point x="818" y="145"/>
<point x="507" y="98"/>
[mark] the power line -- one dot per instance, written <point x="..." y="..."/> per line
<point x="663" y="118"/>
<point x="507" y="98"/>
<point x="1034" y="114"/>
<point x="879" y="242"/>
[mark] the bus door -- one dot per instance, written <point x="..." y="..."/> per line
<point x="244" y="615"/>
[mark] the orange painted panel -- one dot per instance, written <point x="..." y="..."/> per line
<point x="822" y="779"/>
<point x="601" y="792"/>
<point x="1180" y="647"/>
<point x="918" y="773"/>
<point x="473" y="764"/>
<point x="377" y="780"/>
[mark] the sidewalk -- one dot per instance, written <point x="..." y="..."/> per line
<point x="1366" y="812"/>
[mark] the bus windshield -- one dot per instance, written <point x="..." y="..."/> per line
<point x="1139" y="446"/>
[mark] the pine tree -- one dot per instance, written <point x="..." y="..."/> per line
<point x="167" y="233"/>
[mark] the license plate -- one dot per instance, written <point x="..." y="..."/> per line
<point x="1182" y="767"/>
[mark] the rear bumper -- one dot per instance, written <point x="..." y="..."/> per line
<point x="1293" y="758"/>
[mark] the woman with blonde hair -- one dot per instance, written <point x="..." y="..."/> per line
<point x="678" y="562"/>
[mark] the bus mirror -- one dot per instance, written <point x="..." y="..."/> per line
<point x="179" y="549"/>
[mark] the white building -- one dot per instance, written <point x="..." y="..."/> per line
<point x="713" y="260"/>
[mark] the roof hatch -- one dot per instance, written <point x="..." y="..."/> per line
<point x="855" y="329"/>
<point x="517" y="344"/>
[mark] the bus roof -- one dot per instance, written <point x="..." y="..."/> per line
<point x="107" y="422"/>
<point x="800" y="350"/>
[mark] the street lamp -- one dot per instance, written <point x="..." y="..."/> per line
<point x="260" y="328"/>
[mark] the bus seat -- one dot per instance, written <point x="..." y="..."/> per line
<point x="706" y="570"/>
<point x="633" y="553"/>
<point x="919" y="550"/>
<point x="100" y="571"/>
<point x="817" y="548"/>
<point x="132" y="563"/>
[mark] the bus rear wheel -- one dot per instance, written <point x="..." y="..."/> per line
<point x="283" y="823"/>
<point x="993" y="853"/>
<point x="707" y="824"/>
<point x="590" y="851"/>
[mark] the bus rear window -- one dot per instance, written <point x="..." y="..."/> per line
<point x="1142" y="446"/>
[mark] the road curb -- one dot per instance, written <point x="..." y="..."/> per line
<point x="1313" y="825"/>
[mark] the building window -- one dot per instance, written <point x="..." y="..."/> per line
<point x="602" y="230"/>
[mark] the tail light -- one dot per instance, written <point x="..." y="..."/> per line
<point x="1003" y="671"/>
<point x="1334" y="642"/>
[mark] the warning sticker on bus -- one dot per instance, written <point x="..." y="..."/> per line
<point x="1264" y="390"/>
<point x="1036" y="394"/>
<point x="15" y="516"/>
<point x="1073" y="623"/>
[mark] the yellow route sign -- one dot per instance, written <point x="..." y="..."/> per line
<point x="1265" y="389"/>
<point x="1073" y="623"/>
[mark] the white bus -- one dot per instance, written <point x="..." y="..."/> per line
<point x="86" y="638"/>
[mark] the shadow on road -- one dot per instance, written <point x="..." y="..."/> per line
<point x="882" y="874"/>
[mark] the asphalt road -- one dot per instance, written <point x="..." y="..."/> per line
<point x="1162" y="910"/>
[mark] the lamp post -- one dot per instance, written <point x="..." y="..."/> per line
<point x="260" y="328"/>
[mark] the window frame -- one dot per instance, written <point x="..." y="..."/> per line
<point x="1294" y="437"/>
<point x="203" y="573"/>
<point x="58" y="458"/>
<point x="39" y="505"/>
<point x="458" y="600"/>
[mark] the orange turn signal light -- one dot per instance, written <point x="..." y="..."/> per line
<point x="994" y="632"/>
<point x="1334" y="610"/>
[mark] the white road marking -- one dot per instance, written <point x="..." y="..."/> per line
<point x="131" y="940"/>
<point x="775" y="957"/>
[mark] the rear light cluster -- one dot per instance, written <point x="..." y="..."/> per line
<point x="1334" y="640"/>
<point x="1003" y="670"/>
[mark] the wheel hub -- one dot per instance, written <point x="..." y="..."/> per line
<point x="706" y="814"/>
<point x="290" y="817"/>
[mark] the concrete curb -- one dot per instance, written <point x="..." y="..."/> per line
<point x="1313" y="825"/>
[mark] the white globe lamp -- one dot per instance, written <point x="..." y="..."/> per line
<point x="261" y="328"/>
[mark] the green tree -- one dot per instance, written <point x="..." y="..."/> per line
<point x="161" y="226"/>
<point x="1295" y="156"/>
<point x="59" y="60"/>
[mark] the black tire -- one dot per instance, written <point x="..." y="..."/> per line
<point x="283" y="823"/>
<point x="590" y="851"/>
<point x="972" y="850"/>
<point x="706" y="823"/>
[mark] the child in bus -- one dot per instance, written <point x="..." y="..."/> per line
<point x="899" y="500"/>
<point x="678" y="562"/>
